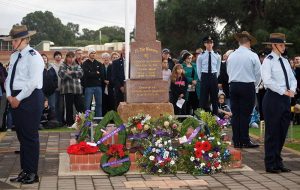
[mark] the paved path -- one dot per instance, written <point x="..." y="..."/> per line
<point x="54" y="143"/>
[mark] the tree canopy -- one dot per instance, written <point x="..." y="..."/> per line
<point x="189" y="21"/>
<point x="51" y="28"/>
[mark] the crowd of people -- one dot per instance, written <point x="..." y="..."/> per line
<point x="233" y="87"/>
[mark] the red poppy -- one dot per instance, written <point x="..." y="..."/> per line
<point x="139" y="126"/>
<point x="216" y="164"/>
<point x="82" y="148"/>
<point x="208" y="164"/>
<point x="162" y="164"/>
<point x="168" y="159"/>
<point x="201" y="135"/>
<point x="206" y="146"/>
<point x="198" y="154"/>
<point x="198" y="145"/>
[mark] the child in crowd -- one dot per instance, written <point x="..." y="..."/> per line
<point x="224" y="112"/>
<point x="48" y="117"/>
<point x="254" y="122"/>
<point x="179" y="87"/>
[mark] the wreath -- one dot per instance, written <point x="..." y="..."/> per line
<point x="188" y="123"/>
<point x="109" y="116"/>
<point x="166" y="126"/>
<point x="122" y="161"/>
<point x="83" y="122"/>
<point x="82" y="148"/>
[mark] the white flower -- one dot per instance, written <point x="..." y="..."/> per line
<point x="157" y="151"/>
<point x="166" y="124"/>
<point x="196" y="167"/>
<point x="210" y="155"/>
<point x="219" y="167"/>
<point x="172" y="162"/>
<point x="170" y="117"/>
<point x="169" y="141"/>
<point x="202" y="164"/>
<point x="165" y="143"/>
<point x="213" y="168"/>
<point x="195" y="149"/>
<point x="148" y="117"/>
<point x="160" y="161"/>
<point x="211" y="138"/>
<point x="192" y="158"/>
<point x="159" y="170"/>
<point x="218" y="153"/>
<point x="197" y="159"/>
<point x="219" y="143"/>
<point x="153" y="149"/>
<point x="160" y="145"/>
<point x="199" y="138"/>
<point x="151" y="158"/>
<point x="203" y="151"/>
<point x="170" y="148"/>
<point x="146" y="127"/>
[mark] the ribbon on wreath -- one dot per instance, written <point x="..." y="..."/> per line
<point x="115" y="162"/>
<point x="194" y="134"/>
<point x="120" y="128"/>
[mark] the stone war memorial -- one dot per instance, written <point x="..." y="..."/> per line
<point x="145" y="92"/>
<point x="146" y="137"/>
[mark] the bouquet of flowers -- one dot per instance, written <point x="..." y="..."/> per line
<point x="159" y="157"/>
<point x="205" y="155"/>
<point x="167" y="126"/>
<point x="84" y="122"/>
<point x="139" y="125"/>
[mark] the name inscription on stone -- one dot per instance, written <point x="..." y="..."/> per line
<point x="145" y="62"/>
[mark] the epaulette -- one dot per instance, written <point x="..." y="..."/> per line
<point x="32" y="52"/>
<point x="270" y="57"/>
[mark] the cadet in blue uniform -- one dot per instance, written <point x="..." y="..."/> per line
<point x="208" y="70"/>
<point x="281" y="84"/>
<point x="24" y="93"/>
<point x="243" y="67"/>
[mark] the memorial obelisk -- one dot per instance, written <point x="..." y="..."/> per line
<point x="145" y="91"/>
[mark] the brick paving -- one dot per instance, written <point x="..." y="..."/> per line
<point x="53" y="143"/>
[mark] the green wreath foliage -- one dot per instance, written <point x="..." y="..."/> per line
<point x="110" y="116"/>
<point x="188" y="122"/>
<point x="114" y="171"/>
<point x="211" y="123"/>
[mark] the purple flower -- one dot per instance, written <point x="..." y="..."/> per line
<point x="87" y="113"/>
<point x="88" y="124"/>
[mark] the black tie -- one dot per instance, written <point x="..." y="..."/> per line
<point x="285" y="74"/>
<point x="209" y="62"/>
<point x="13" y="73"/>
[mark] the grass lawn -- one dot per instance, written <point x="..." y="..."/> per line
<point x="293" y="133"/>
<point x="58" y="129"/>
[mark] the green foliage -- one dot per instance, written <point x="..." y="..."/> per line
<point x="188" y="122"/>
<point x="210" y="121"/>
<point x="114" y="171"/>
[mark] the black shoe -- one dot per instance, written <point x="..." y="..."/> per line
<point x="250" y="145"/>
<point x="30" y="178"/>
<point x="237" y="145"/>
<point x="284" y="169"/>
<point x="19" y="178"/>
<point x="273" y="170"/>
<point x="17" y="152"/>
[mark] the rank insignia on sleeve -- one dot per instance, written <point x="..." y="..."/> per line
<point x="32" y="52"/>
<point x="270" y="57"/>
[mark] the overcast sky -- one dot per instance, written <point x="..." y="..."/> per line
<point x="91" y="14"/>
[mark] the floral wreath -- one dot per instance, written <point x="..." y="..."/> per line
<point x="122" y="161"/>
<point x="83" y="123"/>
<point x="205" y="155"/>
<point x="159" y="157"/>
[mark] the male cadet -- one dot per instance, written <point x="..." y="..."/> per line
<point x="24" y="93"/>
<point x="281" y="84"/>
<point x="243" y="68"/>
<point x="208" y="69"/>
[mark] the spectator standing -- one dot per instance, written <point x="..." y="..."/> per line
<point x="166" y="55"/>
<point x="70" y="74"/>
<point x="108" y="98"/>
<point x="243" y="69"/>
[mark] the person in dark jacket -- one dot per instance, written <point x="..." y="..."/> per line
<point x="93" y="77"/>
<point x="118" y="78"/>
<point x="179" y="87"/>
<point x="108" y="100"/>
<point x="50" y="82"/>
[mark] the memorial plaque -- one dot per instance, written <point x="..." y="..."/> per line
<point x="147" y="91"/>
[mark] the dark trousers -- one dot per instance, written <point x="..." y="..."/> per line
<point x="192" y="103"/>
<point x="242" y="100"/>
<point x="119" y="97"/>
<point x="276" y="110"/>
<point x="209" y="90"/>
<point x="27" y="120"/>
<point x="108" y="103"/>
<point x="73" y="99"/>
